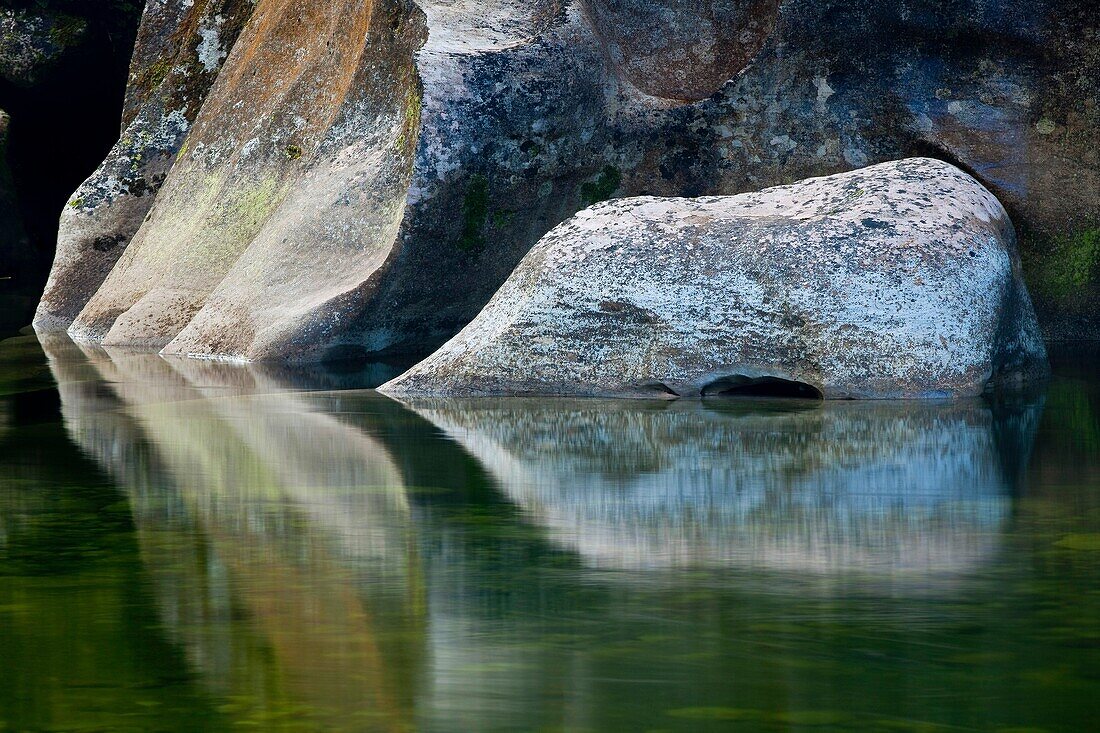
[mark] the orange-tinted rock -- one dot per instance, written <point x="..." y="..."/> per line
<point x="300" y="155"/>
<point x="682" y="50"/>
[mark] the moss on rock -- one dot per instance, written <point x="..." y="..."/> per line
<point x="602" y="187"/>
<point x="1069" y="267"/>
<point x="475" y="210"/>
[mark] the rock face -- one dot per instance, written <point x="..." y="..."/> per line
<point x="681" y="51"/>
<point x="300" y="155"/>
<point x="896" y="281"/>
<point x="180" y="47"/>
<point x="491" y="122"/>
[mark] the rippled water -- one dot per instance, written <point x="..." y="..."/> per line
<point x="192" y="546"/>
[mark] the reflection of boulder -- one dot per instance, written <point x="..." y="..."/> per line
<point x="252" y="500"/>
<point x="884" y="487"/>
<point x="472" y="620"/>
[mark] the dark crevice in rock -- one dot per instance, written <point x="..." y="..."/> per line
<point x="661" y="390"/>
<point x="738" y="385"/>
<point x="919" y="148"/>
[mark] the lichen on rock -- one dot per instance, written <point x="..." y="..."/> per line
<point x="292" y="159"/>
<point x="32" y="41"/>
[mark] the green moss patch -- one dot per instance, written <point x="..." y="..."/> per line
<point x="602" y="187"/>
<point x="1070" y="264"/>
<point x="154" y="75"/>
<point x="475" y="210"/>
<point x="411" y="110"/>
<point x="68" y="31"/>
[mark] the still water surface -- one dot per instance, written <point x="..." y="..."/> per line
<point x="193" y="546"/>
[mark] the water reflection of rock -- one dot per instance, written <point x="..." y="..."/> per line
<point x="277" y="535"/>
<point x="895" y="488"/>
<point x="336" y="556"/>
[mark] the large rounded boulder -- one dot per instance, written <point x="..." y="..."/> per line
<point x="896" y="281"/>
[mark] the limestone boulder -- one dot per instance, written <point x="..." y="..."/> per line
<point x="896" y="281"/>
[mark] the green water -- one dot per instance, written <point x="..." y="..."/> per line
<point x="194" y="546"/>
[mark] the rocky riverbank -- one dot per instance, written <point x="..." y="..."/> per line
<point x="302" y="182"/>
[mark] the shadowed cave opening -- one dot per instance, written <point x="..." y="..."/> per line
<point x="738" y="385"/>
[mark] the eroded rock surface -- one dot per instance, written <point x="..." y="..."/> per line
<point x="682" y="50"/>
<point x="896" y="281"/>
<point x="300" y="155"/>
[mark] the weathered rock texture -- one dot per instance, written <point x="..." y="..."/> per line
<point x="180" y="47"/>
<point x="300" y="155"/>
<point x="681" y="51"/>
<point x="897" y="281"/>
<point x="520" y="114"/>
